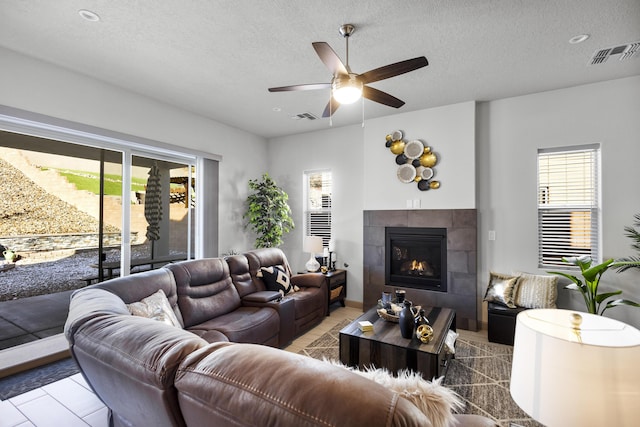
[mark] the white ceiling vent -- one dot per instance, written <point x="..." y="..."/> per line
<point x="307" y="116"/>
<point x="622" y="52"/>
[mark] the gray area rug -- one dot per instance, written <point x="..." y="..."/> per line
<point x="23" y="382"/>
<point x="480" y="374"/>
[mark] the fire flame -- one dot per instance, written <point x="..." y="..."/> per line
<point x="418" y="265"/>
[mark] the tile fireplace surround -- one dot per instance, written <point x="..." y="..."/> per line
<point x="461" y="225"/>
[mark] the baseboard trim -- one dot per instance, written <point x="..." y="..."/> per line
<point x="33" y="354"/>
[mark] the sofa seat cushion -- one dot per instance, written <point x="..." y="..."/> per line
<point x="307" y="301"/>
<point x="246" y="324"/>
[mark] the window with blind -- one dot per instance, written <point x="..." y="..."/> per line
<point x="318" y="205"/>
<point x="568" y="204"/>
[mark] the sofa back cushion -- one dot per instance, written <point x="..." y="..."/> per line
<point x="205" y="289"/>
<point x="266" y="257"/>
<point x="136" y="287"/>
<point x="241" y="276"/>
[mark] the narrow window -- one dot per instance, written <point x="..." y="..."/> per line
<point x="317" y="207"/>
<point x="568" y="204"/>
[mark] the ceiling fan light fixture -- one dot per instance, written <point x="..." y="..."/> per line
<point x="347" y="90"/>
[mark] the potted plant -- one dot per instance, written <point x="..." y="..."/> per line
<point x="589" y="288"/>
<point x="634" y="235"/>
<point x="268" y="213"/>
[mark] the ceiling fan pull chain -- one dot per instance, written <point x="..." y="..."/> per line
<point x="362" y="100"/>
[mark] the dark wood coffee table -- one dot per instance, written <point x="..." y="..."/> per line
<point x="384" y="347"/>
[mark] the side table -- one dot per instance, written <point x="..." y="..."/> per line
<point x="336" y="281"/>
<point x="336" y="286"/>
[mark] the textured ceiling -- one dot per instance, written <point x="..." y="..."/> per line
<point x="217" y="58"/>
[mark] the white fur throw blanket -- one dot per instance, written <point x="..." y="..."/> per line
<point x="435" y="400"/>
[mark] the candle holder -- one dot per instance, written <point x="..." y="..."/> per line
<point x="332" y="261"/>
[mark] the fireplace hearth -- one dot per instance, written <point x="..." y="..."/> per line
<point x="416" y="257"/>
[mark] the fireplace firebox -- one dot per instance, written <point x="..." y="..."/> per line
<point x="416" y="257"/>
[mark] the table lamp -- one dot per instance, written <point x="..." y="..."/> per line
<point x="576" y="369"/>
<point x="313" y="245"/>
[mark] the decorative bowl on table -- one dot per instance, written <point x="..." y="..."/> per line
<point x="391" y="313"/>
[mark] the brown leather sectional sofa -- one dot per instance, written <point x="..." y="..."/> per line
<point x="212" y="370"/>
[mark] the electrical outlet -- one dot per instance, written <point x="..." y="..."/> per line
<point x="492" y="235"/>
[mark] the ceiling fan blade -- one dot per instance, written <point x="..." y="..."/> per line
<point x="393" y="70"/>
<point x="310" y="86"/>
<point x="331" y="107"/>
<point x="330" y="59"/>
<point x="381" y="97"/>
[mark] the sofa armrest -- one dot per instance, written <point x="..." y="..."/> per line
<point x="262" y="296"/>
<point x="286" y="311"/>
<point x="308" y="280"/>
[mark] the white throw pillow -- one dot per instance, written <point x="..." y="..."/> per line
<point x="536" y="291"/>
<point x="156" y="306"/>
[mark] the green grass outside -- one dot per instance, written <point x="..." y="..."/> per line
<point x="90" y="181"/>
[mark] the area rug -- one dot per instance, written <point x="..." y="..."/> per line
<point x="23" y="382"/>
<point x="480" y="374"/>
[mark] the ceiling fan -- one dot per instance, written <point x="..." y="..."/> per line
<point x="347" y="86"/>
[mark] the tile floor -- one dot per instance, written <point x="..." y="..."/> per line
<point x="70" y="402"/>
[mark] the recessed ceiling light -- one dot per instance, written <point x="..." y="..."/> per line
<point x="89" y="15"/>
<point x="578" y="39"/>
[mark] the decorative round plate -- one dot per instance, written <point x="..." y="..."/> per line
<point x="406" y="173"/>
<point x="414" y="149"/>
<point x="426" y="173"/>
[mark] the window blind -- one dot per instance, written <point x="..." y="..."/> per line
<point x="568" y="204"/>
<point x="318" y="205"/>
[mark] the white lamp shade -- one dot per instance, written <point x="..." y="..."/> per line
<point x="588" y="376"/>
<point x="312" y="244"/>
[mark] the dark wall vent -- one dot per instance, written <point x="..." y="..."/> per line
<point x="307" y="116"/>
<point x="621" y="52"/>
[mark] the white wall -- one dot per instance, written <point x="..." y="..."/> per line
<point x="341" y="150"/>
<point x="509" y="133"/>
<point x="40" y="87"/>
<point x="450" y="132"/>
<point x="364" y="175"/>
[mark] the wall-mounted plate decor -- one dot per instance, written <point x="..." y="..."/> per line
<point x="413" y="149"/>
<point x="415" y="159"/>
<point x="406" y="173"/>
<point x="424" y="173"/>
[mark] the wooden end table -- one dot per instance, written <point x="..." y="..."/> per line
<point x="384" y="347"/>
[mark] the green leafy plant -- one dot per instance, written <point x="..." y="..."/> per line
<point x="596" y="303"/>
<point x="268" y="213"/>
<point x="634" y="235"/>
